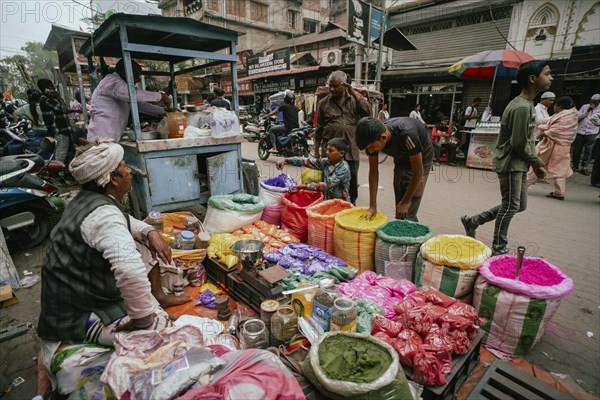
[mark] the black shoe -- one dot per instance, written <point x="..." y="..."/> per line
<point x="469" y="229"/>
<point x="584" y="172"/>
<point x="499" y="252"/>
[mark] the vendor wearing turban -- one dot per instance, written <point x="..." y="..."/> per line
<point x="95" y="282"/>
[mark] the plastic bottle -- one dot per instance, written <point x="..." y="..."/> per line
<point x="343" y="315"/>
<point x="177" y="123"/>
<point x="186" y="240"/>
<point x="323" y="302"/>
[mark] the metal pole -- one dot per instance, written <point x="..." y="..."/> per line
<point x="380" y="51"/>
<point x="79" y="81"/>
<point x="130" y="84"/>
<point x="358" y="63"/>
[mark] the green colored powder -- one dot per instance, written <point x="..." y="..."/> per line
<point x="353" y="359"/>
<point x="403" y="229"/>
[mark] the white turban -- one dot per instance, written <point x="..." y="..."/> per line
<point x="97" y="163"/>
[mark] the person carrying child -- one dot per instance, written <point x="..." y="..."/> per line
<point x="336" y="171"/>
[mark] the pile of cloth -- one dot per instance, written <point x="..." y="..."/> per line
<point x="429" y="328"/>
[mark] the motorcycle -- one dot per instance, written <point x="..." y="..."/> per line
<point x="252" y="128"/>
<point x="29" y="205"/>
<point x="294" y="144"/>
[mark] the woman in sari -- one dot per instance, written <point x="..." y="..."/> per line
<point x="555" y="146"/>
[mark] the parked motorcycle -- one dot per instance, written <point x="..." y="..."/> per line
<point x="252" y="128"/>
<point x="294" y="144"/>
<point x="29" y="205"/>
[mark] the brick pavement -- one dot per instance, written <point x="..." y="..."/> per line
<point x="566" y="233"/>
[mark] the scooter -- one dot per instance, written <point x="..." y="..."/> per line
<point x="29" y="205"/>
<point x="251" y="130"/>
<point x="294" y="144"/>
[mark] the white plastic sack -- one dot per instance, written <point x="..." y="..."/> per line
<point x="194" y="132"/>
<point x="227" y="221"/>
<point x="8" y="272"/>
<point x="348" y="389"/>
<point x="270" y="197"/>
<point x="224" y="123"/>
<point x="81" y="371"/>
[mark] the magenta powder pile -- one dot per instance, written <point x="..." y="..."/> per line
<point x="534" y="271"/>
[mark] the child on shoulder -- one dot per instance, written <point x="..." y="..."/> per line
<point x="336" y="171"/>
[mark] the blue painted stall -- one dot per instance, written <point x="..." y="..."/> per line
<point x="172" y="173"/>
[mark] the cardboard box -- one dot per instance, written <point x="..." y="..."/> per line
<point x="7" y="296"/>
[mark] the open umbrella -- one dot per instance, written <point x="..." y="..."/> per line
<point x="490" y="64"/>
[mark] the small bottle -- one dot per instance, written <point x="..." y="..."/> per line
<point x="284" y="325"/>
<point x="186" y="240"/>
<point x="323" y="302"/>
<point x="343" y="315"/>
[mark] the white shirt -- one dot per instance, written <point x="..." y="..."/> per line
<point x="105" y="230"/>
<point x="470" y="112"/>
<point x="541" y="117"/>
<point x="416" y="115"/>
<point x="301" y="119"/>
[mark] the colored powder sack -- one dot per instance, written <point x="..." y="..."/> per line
<point x="405" y="230"/>
<point x="281" y="181"/>
<point x="534" y="271"/>
<point x="353" y="359"/>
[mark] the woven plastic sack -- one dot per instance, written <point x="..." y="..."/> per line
<point x="273" y="189"/>
<point x="354" y="237"/>
<point x="294" y="216"/>
<point x="399" y="253"/>
<point x="310" y="175"/>
<point x="227" y="213"/>
<point x="391" y="385"/>
<point x="455" y="251"/>
<point x="272" y="214"/>
<point x="321" y="221"/>
<point x="513" y="323"/>
<point x="538" y="278"/>
<point x="452" y="281"/>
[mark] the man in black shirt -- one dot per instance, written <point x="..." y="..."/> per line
<point x="407" y="140"/>
<point x="290" y="118"/>
<point x="220" y="100"/>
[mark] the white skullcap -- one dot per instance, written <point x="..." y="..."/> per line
<point x="548" y="95"/>
<point x="97" y="163"/>
<point x="596" y="97"/>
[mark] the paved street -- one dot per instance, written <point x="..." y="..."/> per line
<point x="566" y="233"/>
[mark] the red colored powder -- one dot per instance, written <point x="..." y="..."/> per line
<point x="534" y="271"/>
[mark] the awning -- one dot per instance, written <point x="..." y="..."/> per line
<point x="279" y="73"/>
<point x="304" y="58"/>
<point x="396" y="40"/>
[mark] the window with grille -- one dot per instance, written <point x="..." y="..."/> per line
<point x="211" y="5"/>
<point x="236" y="8"/>
<point x="310" y="26"/>
<point x="468" y="18"/>
<point x="292" y="15"/>
<point x="259" y="12"/>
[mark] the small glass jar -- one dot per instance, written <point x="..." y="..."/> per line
<point x="155" y="219"/>
<point x="191" y="225"/>
<point x="177" y="229"/>
<point x="254" y="335"/>
<point x="186" y="240"/>
<point x="284" y="325"/>
<point x="201" y="240"/>
<point x="343" y="315"/>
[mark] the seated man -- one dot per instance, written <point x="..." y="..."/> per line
<point x="442" y="135"/>
<point x="94" y="280"/>
<point x="290" y="119"/>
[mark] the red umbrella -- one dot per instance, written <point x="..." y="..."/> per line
<point x="490" y="63"/>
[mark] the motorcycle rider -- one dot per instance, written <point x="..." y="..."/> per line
<point x="290" y="118"/>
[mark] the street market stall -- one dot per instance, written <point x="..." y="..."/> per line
<point x="172" y="173"/>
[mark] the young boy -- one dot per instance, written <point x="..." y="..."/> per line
<point x="336" y="171"/>
<point x="515" y="152"/>
<point x="408" y="141"/>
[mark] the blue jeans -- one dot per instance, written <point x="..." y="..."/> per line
<point x="585" y="143"/>
<point x="513" y="188"/>
<point x="279" y="130"/>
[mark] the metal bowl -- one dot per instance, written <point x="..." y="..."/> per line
<point x="248" y="249"/>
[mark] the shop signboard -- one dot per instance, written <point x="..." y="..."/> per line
<point x="312" y="82"/>
<point x="358" y="21"/>
<point x="375" y="27"/>
<point x="182" y="83"/>
<point x="274" y="87"/>
<point x="481" y="150"/>
<point x="242" y="62"/>
<point x="277" y="61"/>
<point x="243" y="87"/>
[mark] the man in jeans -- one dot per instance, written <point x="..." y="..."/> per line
<point x="586" y="134"/>
<point x="515" y="153"/>
<point x="55" y="117"/>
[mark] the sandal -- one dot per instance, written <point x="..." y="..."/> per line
<point x="553" y="196"/>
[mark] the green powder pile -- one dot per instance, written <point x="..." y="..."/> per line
<point x="353" y="359"/>
<point x="404" y="229"/>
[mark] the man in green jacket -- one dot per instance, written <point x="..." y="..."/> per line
<point x="515" y="153"/>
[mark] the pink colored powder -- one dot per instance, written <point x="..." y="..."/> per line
<point x="534" y="271"/>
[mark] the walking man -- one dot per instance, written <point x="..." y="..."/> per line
<point x="339" y="112"/>
<point x="586" y="134"/>
<point x="515" y="152"/>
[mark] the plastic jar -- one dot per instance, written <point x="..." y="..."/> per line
<point x="323" y="302"/>
<point x="202" y="240"/>
<point x="177" y="123"/>
<point x="171" y="240"/>
<point x="254" y="335"/>
<point x="302" y="301"/>
<point x="284" y="325"/>
<point x="177" y="229"/>
<point x="343" y="315"/>
<point x="155" y="219"/>
<point x="186" y="240"/>
<point x="191" y="225"/>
